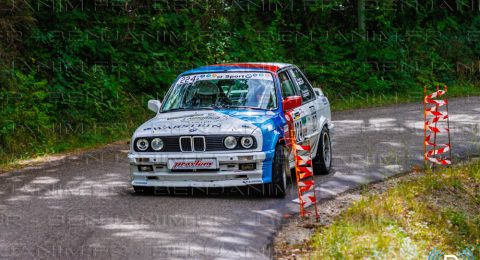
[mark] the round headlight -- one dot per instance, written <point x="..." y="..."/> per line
<point x="142" y="144"/>
<point x="230" y="142"/>
<point x="247" y="142"/>
<point x="157" y="144"/>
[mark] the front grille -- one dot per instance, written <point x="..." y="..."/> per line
<point x="198" y="143"/>
<point x="215" y="143"/>
<point x="208" y="143"/>
<point x="192" y="144"/>
<point x="185" y="144"/>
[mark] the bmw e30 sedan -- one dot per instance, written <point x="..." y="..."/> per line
<point x="224" y="125"/>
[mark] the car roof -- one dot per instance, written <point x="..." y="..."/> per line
<point x="244" y="66"/>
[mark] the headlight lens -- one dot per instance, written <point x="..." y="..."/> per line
<point x="247" y="142"/>
<point x="142" y="144"/>
<point x="230" y="142"/>
<point x="157" y="144"/>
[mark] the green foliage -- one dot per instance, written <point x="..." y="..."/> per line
<point x="81" y="65"/>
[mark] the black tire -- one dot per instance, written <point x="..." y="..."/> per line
<point x="322" y="163"/>
<point x="143" y="190"/>
<point x="278" y="187"/>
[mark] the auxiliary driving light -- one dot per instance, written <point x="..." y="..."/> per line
<point x="247" y="166"/>
<point x="145" y="168"/>
<point x="245" y="158"/>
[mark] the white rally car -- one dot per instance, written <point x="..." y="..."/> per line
<point x="224" y="125"/>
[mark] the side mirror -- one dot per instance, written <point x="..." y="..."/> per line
<point x="292" y="102"/>
<point x="318" y="91"/>
<point x="154" y="105"/>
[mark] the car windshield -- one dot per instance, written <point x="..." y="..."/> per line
<point x="222" y="90"/>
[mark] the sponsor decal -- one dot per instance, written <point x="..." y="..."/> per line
<point x="191" y="164"/>
<point x="204" y="118"/>
<point x="314" y="121"/>
<point x="183" y="126"/>
<point x="305" y="93"/>
<point x="195" y="164"/>
<point x="252" y="181"/>
<point x="189" y="79"/>
<point x="304" y="120"/>
<point x="191" y="122"/>
<point x="305" y="131"/>
<point x="299" y="131"/>
<point x="299" y="81"/>
<point x="296" y="115"/>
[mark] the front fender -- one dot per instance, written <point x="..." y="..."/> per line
<point x="271" y="132"/>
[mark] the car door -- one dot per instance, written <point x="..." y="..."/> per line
<point x="312" y="106"/>
<point x="289" y="88"/>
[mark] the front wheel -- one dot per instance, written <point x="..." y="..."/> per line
<point x="322" y="163"/>
<point x="278" y="187"/>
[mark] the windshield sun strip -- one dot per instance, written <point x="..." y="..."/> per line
<point x="169" y="93"/>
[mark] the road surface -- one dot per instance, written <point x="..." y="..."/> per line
<point x="82" y="206"/>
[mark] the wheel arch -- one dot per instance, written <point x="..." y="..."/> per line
<point x="324" y="123"/>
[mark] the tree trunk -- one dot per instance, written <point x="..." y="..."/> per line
<point x="361" y="15"/>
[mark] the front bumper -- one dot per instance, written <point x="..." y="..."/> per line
<point x="228" y="174"/>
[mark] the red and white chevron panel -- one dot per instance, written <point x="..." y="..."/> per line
<point x="302" y="147"/>
<point x="432" y="117"/>
<point x="305" y="186"/>
<point x="439" y="161"/>
<point x="438" y="93"/>
<point x="308" y="199"/>
<point x="444" y="149"/>
<point x="303" y="160"/>
<point x="304" y="174"/>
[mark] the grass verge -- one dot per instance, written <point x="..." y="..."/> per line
<point x="60" y="138"/>
<point x="437" y="210"/>
<point x="341" y="102"/>
<point x="77" y="142"/>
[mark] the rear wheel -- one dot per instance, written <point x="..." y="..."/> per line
<point x="278" y="187"/>
<point x="322" y="163"/>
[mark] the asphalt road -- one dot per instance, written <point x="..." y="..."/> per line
<point x="82" y="207"/>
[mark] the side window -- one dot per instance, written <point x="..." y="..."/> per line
<point x="288" y="88"/>
<point x="306" y="90"/>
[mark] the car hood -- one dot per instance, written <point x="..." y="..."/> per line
<point x="205" y="122"/>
